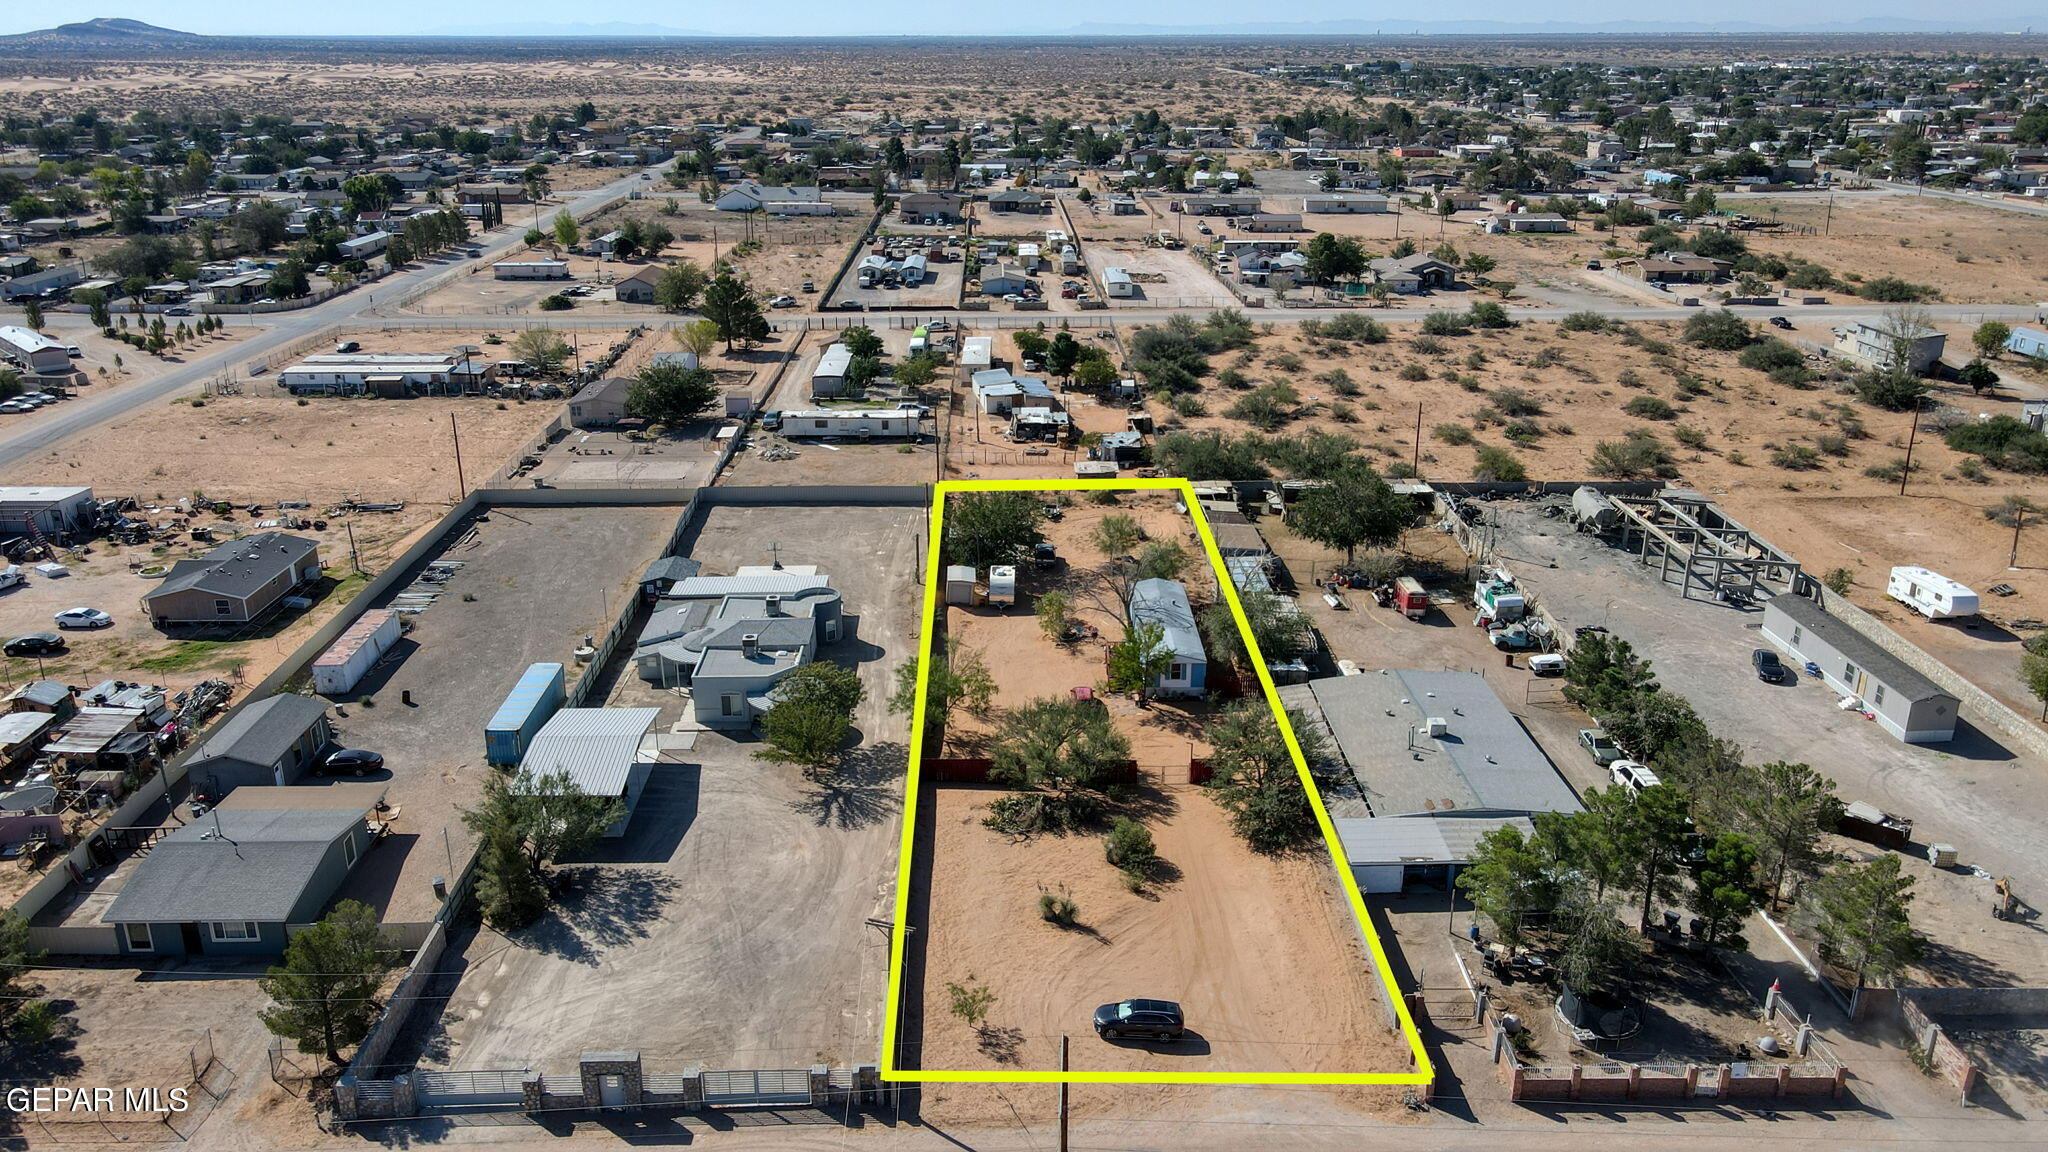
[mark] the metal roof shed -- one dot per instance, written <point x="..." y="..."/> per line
<point x="600" y="750"/>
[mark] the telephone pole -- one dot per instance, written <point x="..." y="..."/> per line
<point x="1418" y="443"/>
<point x="461" y="486"/>
<point x="1063" y="1093"/>
<point x="1906" y="469"/>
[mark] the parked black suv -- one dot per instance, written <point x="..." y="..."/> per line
<point x="1769" y="668"/>
<point x="1140" y="1019"/>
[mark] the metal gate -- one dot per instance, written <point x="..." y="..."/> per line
<point x="444" y="1090"/>
<point x="757" y="1086"/>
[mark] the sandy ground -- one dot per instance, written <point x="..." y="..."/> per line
<point x="259" y="449"/>
<point x="1967" y="252"/>
<point x="1258" y="950"/>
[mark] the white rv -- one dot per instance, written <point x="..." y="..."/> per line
<point x="1930" y="593"/>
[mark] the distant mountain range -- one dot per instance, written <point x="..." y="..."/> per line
<point x="118" y="33"/>
<point x="104" y="32"/>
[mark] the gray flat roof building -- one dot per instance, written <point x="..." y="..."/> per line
<point x="1483" y="763"/>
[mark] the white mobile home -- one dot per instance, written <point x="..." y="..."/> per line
<point x="1930" y="593"/>
<point x="1902" y="701"/>
<point x="829" y="377"/>
<point x="1117" y="282"/>
<point x="34" y="351"/>
<point x="860" y="423"/>
<point x="530" y="270"/>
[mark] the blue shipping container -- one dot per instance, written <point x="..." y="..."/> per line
<point x="535" y="698"/>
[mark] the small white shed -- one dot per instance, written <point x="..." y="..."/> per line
<point x="960" y="584"/>
<point x="1002" y="586"/>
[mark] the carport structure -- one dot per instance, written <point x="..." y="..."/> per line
<point x="1697" y="546"/>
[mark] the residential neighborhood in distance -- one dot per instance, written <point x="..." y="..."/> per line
<point x="924" y="581"/>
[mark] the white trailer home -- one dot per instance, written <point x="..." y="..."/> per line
<point x="530" y="270"/>
<point x="1930" y="593"/>
<point x="859" y="423"/>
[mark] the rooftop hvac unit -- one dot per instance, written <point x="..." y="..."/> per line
<point x="1438" y="726"/>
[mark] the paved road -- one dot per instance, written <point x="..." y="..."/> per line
<point x="280" y="330"/>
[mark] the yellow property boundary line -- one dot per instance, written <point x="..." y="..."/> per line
<point x="1424" y="1071"/>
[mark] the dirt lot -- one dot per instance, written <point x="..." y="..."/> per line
<point x="260" y="449"/>
<point x="1968" y="253"/>
<point x="1182" y="280"/>
<point x="1216" y="913"/>
<point x="1260" y="951"/>
<point x="728" y="928"/>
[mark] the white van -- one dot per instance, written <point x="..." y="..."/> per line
<point x="1930" y="593"/>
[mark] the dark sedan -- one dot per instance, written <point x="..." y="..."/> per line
<point x="1140" y="1020"/>
<point x="35" y="644"/>
<point x="1769" y="668"/>
<point x="352" y="762"/>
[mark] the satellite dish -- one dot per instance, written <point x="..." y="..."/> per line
<point x="34" y="798"/>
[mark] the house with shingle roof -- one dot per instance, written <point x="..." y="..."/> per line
<point x="229" y="882"/>
<point x="237" y="582"/>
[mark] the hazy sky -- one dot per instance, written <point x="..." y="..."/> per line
<point x="894" y="17"/>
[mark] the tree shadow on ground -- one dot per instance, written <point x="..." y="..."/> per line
<point x="863" y="790"/>
<point x="605" y="908"/>
<point x="1002" y="1045"/>
<point x="1946" y="965"/>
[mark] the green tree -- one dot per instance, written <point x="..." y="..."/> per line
<point x="731" y="305"/>
<point x="545" y="809"/>
<point x="1509" y="877"/>
<point x="1725" y="890"/>
<point x="1977" y="376"/>
<point x="365" y="193"/>
<point x="1990" y="337"/>
<point x="1784" y="809"/>
<point x="1720" y="330"/>
<point x="1254" y="777"/>
<point x="565" y="230"/>
<point x="1602" y="673"/>
<point x="95" y="302"/>
<point x="918" y="372"/>
<point x="509" y="892"/>
<point x="1117" y="534"/>
<point x="985" y="528"/>
<point x="1332" y="257"/>
<point x="1649" y="724"/>
<point x="672" y="394"/>
<point x="1355" y="508"/>
<point x="1096" y="374"/>
<point x="861" y="341"/>
<point x="2034" y="674"/>
<point x="1654" y="839"/>
<point x="1129" y="846"/>
<point x="698" y="337"/>
<point x="32" y="314"/>
<point x="288" y="280"/>
<point x="17" y="954"/>
<point x="1055" y="612"/>
<point x="959" y="677"/>
<point x="1137" y="661"/>
<point x="325" y="992"/>
<point x="1064" y="751"/>
<point x="811" y="715"/>
<point x="1277" y="626"/>
<point x="542" y="349"/>
<point x="678" y="287"/>
<point x="1862" y="914"/>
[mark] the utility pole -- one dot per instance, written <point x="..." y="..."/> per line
<point x="1418" y="443"/>
<point x="1829" y="229"/>
<point x="2019" y="517"/>
<point x="354" y="558"/>
<point x="1063" y="1093"/>
<point x="461" y="486"/>
<point x="1906" y="470"/>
